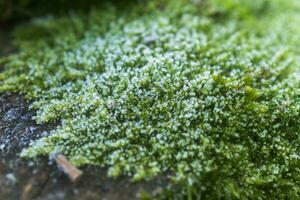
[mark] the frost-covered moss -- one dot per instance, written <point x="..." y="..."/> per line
<point x="214" y="103"/>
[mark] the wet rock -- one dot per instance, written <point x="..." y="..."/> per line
<point x="16" y="127"/>
<point x="12" y="114"/>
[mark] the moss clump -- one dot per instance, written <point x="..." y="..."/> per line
<point x="213" y="103"/>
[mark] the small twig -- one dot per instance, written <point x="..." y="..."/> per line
<point x="68" y="168"/>
<point x="27" y="191"/>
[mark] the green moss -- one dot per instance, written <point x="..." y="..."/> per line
<point x="164" y="89"/>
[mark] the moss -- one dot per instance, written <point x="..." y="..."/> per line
<point x="164" y="89"/>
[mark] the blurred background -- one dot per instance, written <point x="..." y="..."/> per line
<point x="16" y="10"/>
